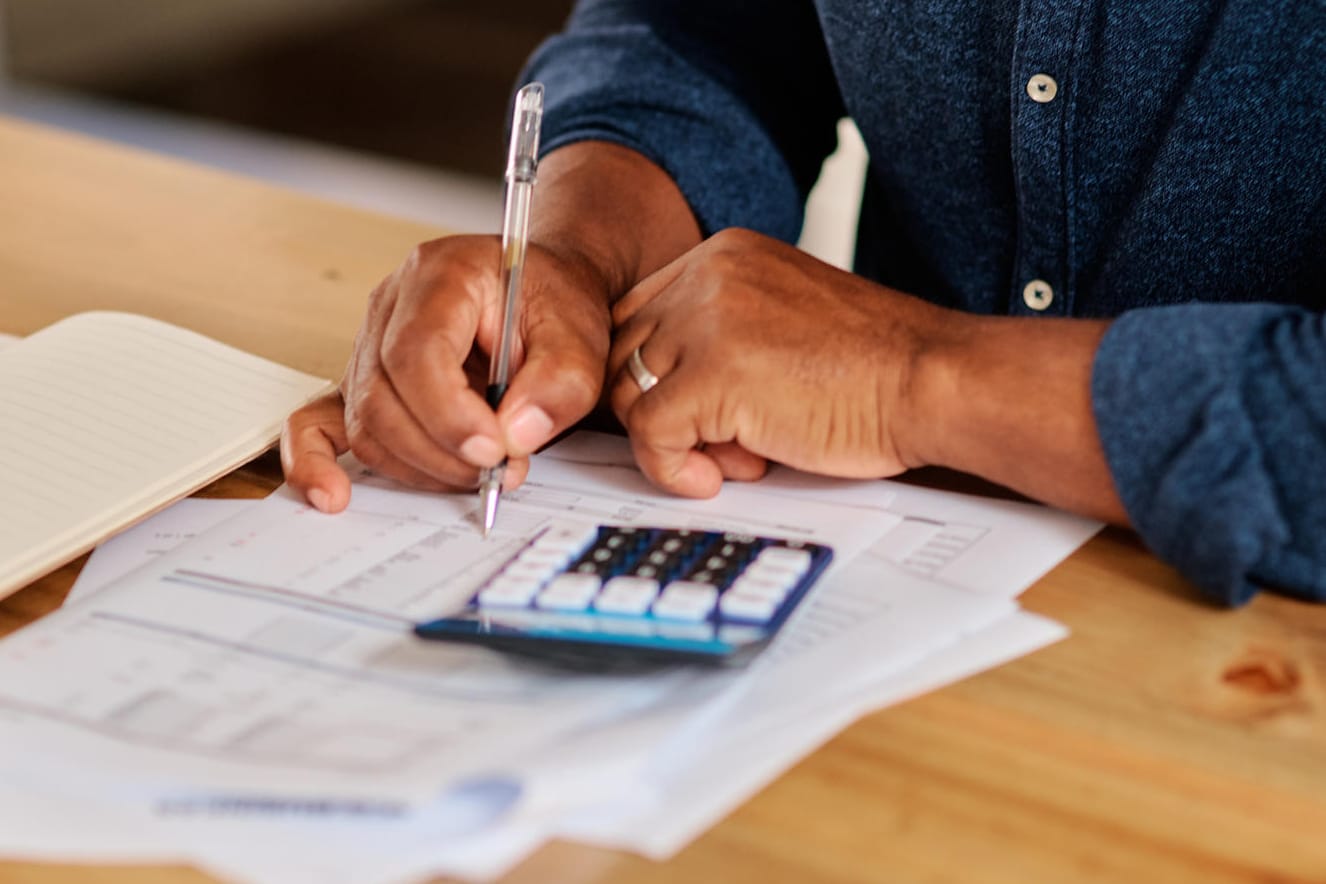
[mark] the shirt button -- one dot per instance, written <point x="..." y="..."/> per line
<point x="1037" y="294"/>
<point x="1042" y="88"/>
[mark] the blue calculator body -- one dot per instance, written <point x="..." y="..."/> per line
<point x="591" y="596"/>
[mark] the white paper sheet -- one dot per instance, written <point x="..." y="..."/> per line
<point x="676" y="801"/>
<point x="137" y="546"/>
<point x="646" y="775"/>
<point x="273" y="654"/>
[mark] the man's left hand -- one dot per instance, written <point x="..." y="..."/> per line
<point x="765" y="353"/>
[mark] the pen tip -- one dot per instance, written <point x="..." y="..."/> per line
<point x="491" y="494"/>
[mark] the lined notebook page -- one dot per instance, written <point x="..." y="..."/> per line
<point x="106" y="417"/>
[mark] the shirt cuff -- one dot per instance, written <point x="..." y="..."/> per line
<point x="1211" y="417"/>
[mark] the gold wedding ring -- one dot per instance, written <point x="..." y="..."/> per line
<point x="643" y="377"/>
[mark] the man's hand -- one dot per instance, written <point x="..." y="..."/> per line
<point x="411" y="403"/>
<point x="765" y="352"/>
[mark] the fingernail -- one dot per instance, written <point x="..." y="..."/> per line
<point x="529" y="429"/>
<point x="319" y="499"/>
<point x="481" y="451"/>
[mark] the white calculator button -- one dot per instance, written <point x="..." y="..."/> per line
<point x="740" y="633"/>
<point x="772" y="585"/>
<point x="552" y="559"/>
<point x="684" y="600"/>
<point x="797" y="560"/>
<point x="569" y="592"/>
<point x="509" y="592"/>
<point x="539" y="571"/>
<point x="773" y="572"/>
<point x="627" y="595"/>
<point x="571" y="537"/>
<point x="746" y="606"/>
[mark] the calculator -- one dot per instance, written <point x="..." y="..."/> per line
<point x="599" y="596"/>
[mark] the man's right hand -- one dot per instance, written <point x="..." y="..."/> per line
<point x="411" y="404"/>
<point x="604" y="217"/>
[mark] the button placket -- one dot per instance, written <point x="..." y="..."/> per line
<point x="1042" y="68"/>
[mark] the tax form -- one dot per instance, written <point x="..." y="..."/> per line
<point x="272" y="655"/>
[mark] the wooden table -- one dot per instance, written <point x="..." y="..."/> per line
<point x="1164" y="741"/>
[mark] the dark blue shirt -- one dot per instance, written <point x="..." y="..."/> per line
<point x="1160" y="162"/>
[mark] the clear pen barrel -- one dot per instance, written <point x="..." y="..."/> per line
<point x="515" y="229"/>
<point x="521" y="170"/>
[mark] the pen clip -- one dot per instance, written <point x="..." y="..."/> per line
<point x="522" y="162"/>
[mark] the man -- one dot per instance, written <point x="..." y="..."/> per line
<point x="1091" y="267"/>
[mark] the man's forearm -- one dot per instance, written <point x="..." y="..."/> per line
<point x="1010" y="400"/>
<point x="613" y="211"/>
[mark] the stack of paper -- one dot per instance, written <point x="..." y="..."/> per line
<point x="252" y="701"/>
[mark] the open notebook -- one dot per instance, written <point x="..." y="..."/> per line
<point x="107" y="417"/>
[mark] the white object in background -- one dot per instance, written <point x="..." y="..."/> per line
<point x="834" y="204"/>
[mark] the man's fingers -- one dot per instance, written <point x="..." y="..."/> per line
<point x="558" y="383"/>
<point x="665" y="438"/>
<point x="647" y="289"/>
<point x="376" y="413"/>
<point x="735" y="462"/>
<point x="382" y="460"/>
<point x="425" y="345"/>
<point x="311" y="440"/>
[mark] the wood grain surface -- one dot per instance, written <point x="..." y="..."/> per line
<point x="1165" y="740"/>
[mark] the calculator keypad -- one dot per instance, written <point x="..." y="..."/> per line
<point x="671" y="578"/>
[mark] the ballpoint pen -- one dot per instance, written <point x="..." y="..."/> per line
<point x="522" y="164"/>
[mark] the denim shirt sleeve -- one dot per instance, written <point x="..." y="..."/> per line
<point x="1213" y="418"/>
<point x="706" y="91"/>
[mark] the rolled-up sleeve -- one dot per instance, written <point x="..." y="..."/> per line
<point x="737" y="102"/>
<point x="1213" y="419"/>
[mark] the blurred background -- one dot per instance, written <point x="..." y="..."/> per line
<point x="392" y="105"/>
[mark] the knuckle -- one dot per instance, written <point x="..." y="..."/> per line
<point x="581" y="384"/>
<point x="423" y="254"/>
<point x="370" y="415"/>
<point x="366" y="449"/>
<point x="646" y="420"/>
<point x="735" y="240"/>
<point x="380" y="296"/>
<point x="398" y="352"/>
